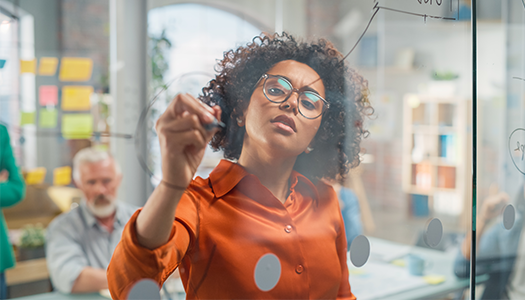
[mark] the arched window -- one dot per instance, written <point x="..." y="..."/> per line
<point x="186" y="40"/>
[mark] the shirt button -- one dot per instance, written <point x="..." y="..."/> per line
<point x="288" y="228"/>
<point x="299" y="269"/>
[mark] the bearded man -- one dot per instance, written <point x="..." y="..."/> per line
<point x="80" y="243"/>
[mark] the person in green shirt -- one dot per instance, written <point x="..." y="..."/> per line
<point x="12" y="191"/>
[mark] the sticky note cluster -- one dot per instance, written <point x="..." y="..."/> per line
<point x="73" y="69"/>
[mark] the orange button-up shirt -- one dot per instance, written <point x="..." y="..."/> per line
<point x="223" y="226"/>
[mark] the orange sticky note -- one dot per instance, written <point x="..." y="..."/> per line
<point x="76" y="97"/>
<point x="48" y="95"/>
<point x="77" y="126"/>
<point x="75" y="69"/>
<point x="48" y="66"/>
<point x="62" y="176"/>
<point x="36" y="176"/>
<point x="28" y="66"/>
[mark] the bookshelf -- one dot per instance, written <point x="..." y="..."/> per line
<point x="436" y="143"/>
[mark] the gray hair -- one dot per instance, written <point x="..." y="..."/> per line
<point x="91" y="155"/>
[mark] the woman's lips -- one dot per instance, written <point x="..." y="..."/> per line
<point x="285" y="122"/>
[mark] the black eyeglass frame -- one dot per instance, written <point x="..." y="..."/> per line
<point x="299" y="92"/>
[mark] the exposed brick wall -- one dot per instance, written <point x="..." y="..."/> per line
<point x="85" y="32"/>
<point x="320" y="15"/>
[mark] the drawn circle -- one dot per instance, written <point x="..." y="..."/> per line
<point x="433" y="233"/>
<point x="359" y="251"/>
<point x="509" y="216"/>
<point x="144" y="289"/>
<point x="142" y="124"/>
<point x="267" y="272"/>
<point x="517" y="149"/>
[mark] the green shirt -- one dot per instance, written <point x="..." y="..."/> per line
<point x="11" y="192"/>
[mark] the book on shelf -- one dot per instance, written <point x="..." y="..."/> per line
<point x="423" y="175"/>
<point x="447" y="147"/>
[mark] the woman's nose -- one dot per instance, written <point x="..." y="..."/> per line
<point x="291" y="102"/>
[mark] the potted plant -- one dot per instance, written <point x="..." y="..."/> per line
<point x="32" y="242"/>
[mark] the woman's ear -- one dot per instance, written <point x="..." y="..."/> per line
<point x="308" y="149"/>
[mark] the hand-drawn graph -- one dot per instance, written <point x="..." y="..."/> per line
<point x="377" y="7"/>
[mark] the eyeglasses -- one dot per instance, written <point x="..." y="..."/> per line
<point x="278" y="89"/>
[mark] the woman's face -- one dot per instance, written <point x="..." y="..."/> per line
<point x="279" y="127"/>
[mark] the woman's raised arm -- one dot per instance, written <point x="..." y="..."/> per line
<point x="183" y="139"/>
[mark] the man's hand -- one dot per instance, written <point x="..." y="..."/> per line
<point x="493" y="205"/>
<point x="90" y="280"/>
<point x="4" y="176"/>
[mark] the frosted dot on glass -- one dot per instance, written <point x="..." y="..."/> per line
<point x="145" y="289"/>
<point x="267" y="272"/>
<point x="509" y="216"/>
<point x="359" y="251"/>
<point x="434" y="233"/>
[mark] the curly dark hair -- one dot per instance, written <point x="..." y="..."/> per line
<point x="337" y="142"/>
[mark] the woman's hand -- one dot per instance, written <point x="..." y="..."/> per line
<point x="183" y="138"/>
<point x="4" y="176"/>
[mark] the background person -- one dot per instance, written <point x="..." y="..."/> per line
<point x="80" y="243"/>
<point x="350" y="210"/>
<point x="500" y="251"/>
<point x="12" y="191"/>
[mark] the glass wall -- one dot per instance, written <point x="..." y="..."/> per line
<point x="500" y="138"/>
<point x="402" y="117"/>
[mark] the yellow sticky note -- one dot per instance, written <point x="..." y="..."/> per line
<point x="27" y="118"/>
<point x="62" y="176"/>
<point x="75" y="97"/>
<point x="434" y="279"/>
<point x="356" y="272"/>
<point x="398" y="262"/>
<point x="77" y="126"/>
<point x="28" y="66"/>
<point x="75" y="69"/>
<point x="36" y="176"/>
<point x="47" y="118"/>
<point x="48" y="66"/>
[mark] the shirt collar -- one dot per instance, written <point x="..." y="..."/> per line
<point x="86" y="214"/>
<point x="228" y="174"/>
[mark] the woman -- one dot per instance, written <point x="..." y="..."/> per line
<point x="12" y="191"/>
<point x="286" y="106"/>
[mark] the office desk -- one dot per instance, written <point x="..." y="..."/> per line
<point x="372" y="279"/>
<point x="441" y="264"/>
<point x="60" y="296"/>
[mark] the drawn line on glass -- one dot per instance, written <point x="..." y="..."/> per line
<point x="520" y="147"/>
<point x="376" y="9"/>
<point x="142" y="120"/>
<point x="519" y="78"/>
<point x="96" y="134"/>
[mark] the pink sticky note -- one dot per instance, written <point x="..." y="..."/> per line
<point x="48" y="95"/>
